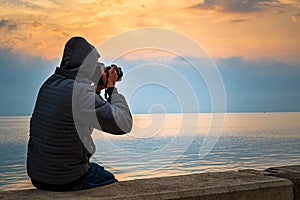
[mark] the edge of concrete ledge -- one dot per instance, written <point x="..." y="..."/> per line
<point x="243" y="184"/>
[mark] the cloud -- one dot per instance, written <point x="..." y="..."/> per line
<point x="251" y="85"/>
<point x="40" y="45"/>
<point x="238" y="20"/>
<point x="20" y="78"/>
<point x="36" y="25"/>
<point x="8" y="25"/>
<point x="60" y="32"/>
<point x="6" y="44"/>
<point x="238" y="6"/>
<point x="22" y="3"/>
<point x="295" y="18"/>
<point x="256" y="85"/>
<point x="281" y="11"/>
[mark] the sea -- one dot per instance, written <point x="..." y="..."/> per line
<point x="171" y="144"/>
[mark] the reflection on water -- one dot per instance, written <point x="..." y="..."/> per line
<point x="230" y="152"/>
<point x="12" y="167"/>
<point x="248" y="140"/>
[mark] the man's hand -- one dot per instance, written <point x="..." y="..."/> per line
<point x="112" y="78"/>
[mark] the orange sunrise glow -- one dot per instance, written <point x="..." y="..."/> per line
<point x="223" y="28"/>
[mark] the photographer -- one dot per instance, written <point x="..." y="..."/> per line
<point x="66" y="111"/>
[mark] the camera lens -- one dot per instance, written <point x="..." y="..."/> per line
<point x="119" y="73"/>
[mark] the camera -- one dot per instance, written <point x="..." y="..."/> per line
<point x="118" y="70"/>
<point x="101" y="68"/>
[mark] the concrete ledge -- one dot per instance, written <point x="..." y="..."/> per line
<point x="206" y="186"/>
<point x="291" y="173"/>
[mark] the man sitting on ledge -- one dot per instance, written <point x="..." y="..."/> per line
<point x="66" y="111"/>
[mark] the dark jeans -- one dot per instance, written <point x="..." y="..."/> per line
<point x="96" y="176"/>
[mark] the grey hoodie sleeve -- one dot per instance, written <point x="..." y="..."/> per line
<point x="111" y="116"/>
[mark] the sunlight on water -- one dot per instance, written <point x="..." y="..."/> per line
<point x="247" y="140"/>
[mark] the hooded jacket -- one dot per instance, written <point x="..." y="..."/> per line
<point x="66" y="111"/>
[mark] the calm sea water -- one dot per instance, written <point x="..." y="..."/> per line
<point x="173" y="144"/>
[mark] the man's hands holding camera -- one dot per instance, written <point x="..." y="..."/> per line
<point x="112" y="78"/>
<point x="107" y="82"/>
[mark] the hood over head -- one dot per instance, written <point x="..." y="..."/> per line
<point x="80" y="57"/>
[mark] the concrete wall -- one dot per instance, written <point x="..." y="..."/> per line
<point x="242" y="185"/>
<point x="291" y="173"/>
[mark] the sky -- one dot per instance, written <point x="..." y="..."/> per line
<point x="255" y="45"/>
